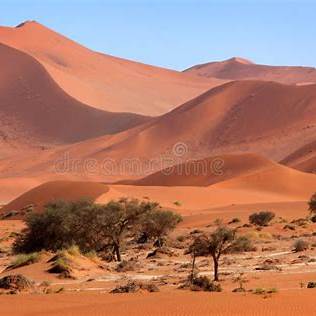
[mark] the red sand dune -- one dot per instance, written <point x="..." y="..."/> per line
<point x="303" y="158"/>
<point x="35" y="110"/>
<point x="104" y="81"/>
<point x="56" y="190"/>
<point x="241" y="69"/>
<point x="266" y="118"/>
<point x="207" y="171"/>
<point x="247" y="179"/>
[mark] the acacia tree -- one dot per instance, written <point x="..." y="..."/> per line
<point x="157" y="223"/>
<point x="199" y="247"/>
<point x="113" y="221"/>
<point x="83" y="223"/>
<point x="312" y="203"/>
<point x="220" y="242"/>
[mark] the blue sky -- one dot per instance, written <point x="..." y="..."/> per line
<point x="180" y="33"/>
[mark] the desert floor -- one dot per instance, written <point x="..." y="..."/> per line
<point x="287" y="303"/>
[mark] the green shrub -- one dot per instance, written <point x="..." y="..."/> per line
<point x="88" y="225"/>
<point x="235" y="220"/>
<point x="262" y="218"/>
<point x="158" y="223"/>
<point x="312" y="203"/>
<point x="24" y="260"/>
<point x="311" y="285"/>
<point x="300" y="245"/>
<point x="242" y="244"/>
<point x="203" y="283"/>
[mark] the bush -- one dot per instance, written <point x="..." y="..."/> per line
<point x="61" y="264"/>
<point x="242" y="244"/>
<point x="16" y="282"/>
<point x="125" y="266"/>
<point x="311" y="285"/>
<point x="300" y="245"/>
<point x="133" y="287"/>
<point x="262" y="218"/>
<point x="312" y="203"/>
<point x="261" y="291"/>
<point x="235" y="220"/>
<point x="24" y="260"/>
<point x="203" y="283"/>
<point x="158" y="223"/>
<point x="90" y="226"/>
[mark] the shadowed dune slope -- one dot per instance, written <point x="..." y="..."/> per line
<point x="277" y="179"/>
<point x="35" y="109"/>
<point x="104" y="81"/>
<point x="56" y="190"/>
<point x="240" y="69"/>
<point x="266" y="118"/>
<point x="303" y="158"/>
<point x="205" y="172"/>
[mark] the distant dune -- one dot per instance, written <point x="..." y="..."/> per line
<point x="44" y="75"/>
<point x="304" y="158"/>
<point x="240" y="69"/>
<point x="207" y="171"/>
<point x="267" y="118"/>
<point x="35" y="110"/>
<point x="103" y="81"/>
<point x="246" y="179"/>
<point x="56" y="190"/>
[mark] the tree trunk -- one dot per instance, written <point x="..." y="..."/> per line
<point x="215" y="268"/>
<point x="117" y="252"/>
<point x="193" y="268"/>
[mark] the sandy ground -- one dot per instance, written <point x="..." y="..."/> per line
<point x="290" y="303"/>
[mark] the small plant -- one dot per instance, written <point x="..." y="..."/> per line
<point x="259" y="291"/>
<point x="180" y="238"/>
<point x="312" y="204"/>
<point x="242" y="244"/>
<point x="289" y="227"/>
<point x="177" y="203"/>
<point x="262" y="218"/>
<point x="203" y="283"/>
<point x="300" y="245"/>
<point x="16" y="282"/>
<point x="60" y="290"/>
<point x="24" y="260"/>
<point x="311" y="285"/>
<point x="61" y="265"/>
<point x="241" y="280"/>
<point x="235" y="220"/>
<point x="92" y="255"/>
<point x="263" y="291"/>
<point x="125" y="266"/>
<point x="74" y="251"/>
<point x="133" y="287"/>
